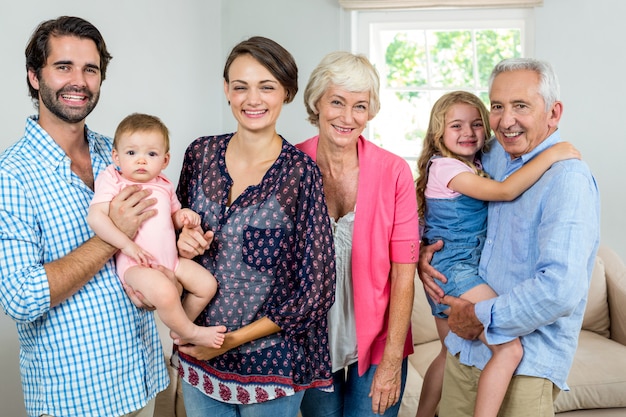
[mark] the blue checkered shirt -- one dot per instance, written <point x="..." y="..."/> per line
<point x="95" y="354"/>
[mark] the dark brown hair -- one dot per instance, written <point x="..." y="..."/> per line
<point x="38" y="47"/>
<point x="276" y="59"/>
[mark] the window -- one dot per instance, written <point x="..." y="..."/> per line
<point x="421" y="55"/>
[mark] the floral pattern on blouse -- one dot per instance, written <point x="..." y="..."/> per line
<point x="273" y="256"/>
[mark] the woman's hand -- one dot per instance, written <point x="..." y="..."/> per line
<point x="253" y="331"/>
<point x="428" y="274"/>
<point x="204" y="353"/>
<point x="193" y="242"/>
<point x="385" y="390"/>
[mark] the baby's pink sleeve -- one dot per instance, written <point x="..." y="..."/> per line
<point x="174" y="202"/>
<point x="106" y="186"/>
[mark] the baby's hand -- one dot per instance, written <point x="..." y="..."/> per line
<point x="564" y="150"/>
<point x="189" y="218"/>
<point x="135" y="252"/>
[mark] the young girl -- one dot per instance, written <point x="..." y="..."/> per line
<point x="452" y="191"/>
<point x="141" y="152"/>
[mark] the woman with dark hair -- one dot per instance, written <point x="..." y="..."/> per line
<point x="268" y="241"/>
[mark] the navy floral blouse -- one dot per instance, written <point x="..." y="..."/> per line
<point x="273" y="256"/>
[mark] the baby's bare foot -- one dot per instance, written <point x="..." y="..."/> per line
<point x="212" y="336"/>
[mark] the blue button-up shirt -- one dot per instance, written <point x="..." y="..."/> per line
<point x="95" y="354"/>
<point x="538" y="255"/>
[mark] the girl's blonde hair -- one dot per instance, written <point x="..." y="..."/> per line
<point x="433" y="141"/>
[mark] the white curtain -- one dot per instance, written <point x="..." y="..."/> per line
<point x="412" y="4"/>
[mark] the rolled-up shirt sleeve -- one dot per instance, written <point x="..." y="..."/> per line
<point x="561" y="244"/>
<point x="24" y="293"/>
<point x="404" y="243"/>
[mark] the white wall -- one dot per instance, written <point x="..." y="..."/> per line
<point x="583" y="39"/>
<point x="168" y="60"/>
<point x="165" y="61"/>
<point x="307" y="29"/>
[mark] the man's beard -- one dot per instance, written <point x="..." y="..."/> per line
<point x="64" y="112"/>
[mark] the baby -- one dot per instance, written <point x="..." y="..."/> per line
<point x="140" y="153"/>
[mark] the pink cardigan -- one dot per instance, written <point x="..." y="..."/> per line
<point x="385" y="231"/>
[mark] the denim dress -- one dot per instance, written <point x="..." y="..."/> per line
<point x="461" y="222"/>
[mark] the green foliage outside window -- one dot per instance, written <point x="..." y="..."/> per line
<point x="421" y="65"/>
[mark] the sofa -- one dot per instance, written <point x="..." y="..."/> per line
<point x="597" y="379"/>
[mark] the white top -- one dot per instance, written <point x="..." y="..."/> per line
<point x="341" y="319"/>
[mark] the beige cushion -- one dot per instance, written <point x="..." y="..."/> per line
<point x="594" y="381"/>
<point x="616" y="288"/>
<point x="423" y="322"/>
<point x="412" y="391"/>
<point x="596" y="318"/>
<point x="424" y="355"/>
<point x="418" y="365"/>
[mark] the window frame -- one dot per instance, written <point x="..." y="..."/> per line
<point x="364" y="24"/>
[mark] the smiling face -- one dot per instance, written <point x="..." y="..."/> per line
<point x="256" y="97"/>
<point x="518" y="114"/>
<point x="342" y="115"/>
<point x="141" y="155"/>
<point x="464" y="131"/>
<point x="69" y="83"/>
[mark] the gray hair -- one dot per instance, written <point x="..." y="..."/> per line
<point x="548" y="85"/>
<point x="354" y="73"/>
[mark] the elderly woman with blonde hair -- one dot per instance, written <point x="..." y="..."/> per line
<point x="371" y="201"/>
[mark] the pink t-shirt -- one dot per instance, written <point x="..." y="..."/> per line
<point x="441" y="172"/>
<point x="156" y="235"/>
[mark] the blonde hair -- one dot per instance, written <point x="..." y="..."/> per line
<point x="354" y="73"/>
<point x="433" y="141"/>
<point x="139" y="122"/>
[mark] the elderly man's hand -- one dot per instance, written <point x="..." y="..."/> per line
<point x="428" y="274"/>
<point x="462" y="319"/>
